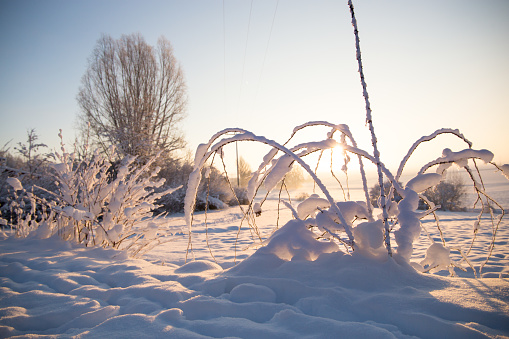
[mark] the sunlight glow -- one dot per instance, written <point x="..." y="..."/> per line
<point x="330" y="158"/>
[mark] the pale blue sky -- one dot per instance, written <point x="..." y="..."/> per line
<point x="428" y="64"/>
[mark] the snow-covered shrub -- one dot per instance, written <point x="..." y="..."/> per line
<point x="29" y="165"/>
<point x="374" y="193"/>
<point x="94" y="207"/>
<point x="239" y="196"/>
<point x="353" y="225"/>
<point x="33" y="160"/>
<point x="448" y="194"/>
<point x="216" y="187"/>
<point x="302" y="196"/>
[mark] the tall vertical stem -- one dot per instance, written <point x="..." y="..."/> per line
<point x="369" y="122"/>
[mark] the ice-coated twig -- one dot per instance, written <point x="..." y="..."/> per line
<point x="465" y="258"/>
<point x="369" y="122"/>
<point x="432" y="209"/>
<point x="382" y="167"/>
<point x="245" y="214"/>
<point x="460" y="158"/>
<point x="481" y="192"/>
<point x="337" y="179"/>
<point x="290" y="207"/>
<point x="206" y="210"/>
<point x="425" y="139"/>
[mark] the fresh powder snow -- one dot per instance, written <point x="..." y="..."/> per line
<point x="293" y="287"/>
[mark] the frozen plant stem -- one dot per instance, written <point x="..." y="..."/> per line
<point x="369" y="121"/>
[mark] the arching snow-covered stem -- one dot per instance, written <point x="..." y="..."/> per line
<point x="345" y="130"/>
<point x="429" y="138"/>
<point x="195" y="176"/>
<point x="382" y="167"/>
<point x="460" y="158"/>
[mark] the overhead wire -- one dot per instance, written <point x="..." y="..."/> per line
<point x="224" y="58"/>
<point x="265" y="55"/>
<point x="241" y="84"/>
<point x="244" y="59"/>
<point x="244" y="63"/>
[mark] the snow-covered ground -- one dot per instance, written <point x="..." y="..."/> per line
<point x="58" y="289"/>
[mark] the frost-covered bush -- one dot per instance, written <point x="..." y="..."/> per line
<point x="374" y="193"/>
<point x="91" y="206"/>
<point x="448" y="194"/>
<point x="29" y="165"/>
<point x="353" y="225"/>
<point x="215" y="187"/>
<point x="239" y="196"/>
<point x="33" y="160"/>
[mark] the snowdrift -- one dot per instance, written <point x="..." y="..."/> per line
<point x="294" y="286"/>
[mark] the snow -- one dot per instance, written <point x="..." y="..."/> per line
<point x="437" y="257"/>
<point x="15" y="184"/>
<point x="278" y="171"/>
<point x="410" y="228"/>
<point x="422" y="182"/>
<point x="311" y="205"/>
<point x="294" y="286"/>
<point x="505" y="170"/>
<point x="459" y="158"/>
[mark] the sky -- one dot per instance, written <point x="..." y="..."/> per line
<point x="268" y="66"/>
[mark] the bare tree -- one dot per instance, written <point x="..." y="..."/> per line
<point x="244" y="172"/>
<point x="294" y="178"/>
<point x="133" y="95"/>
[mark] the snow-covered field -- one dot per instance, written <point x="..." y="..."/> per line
<point x="58" y="289"/>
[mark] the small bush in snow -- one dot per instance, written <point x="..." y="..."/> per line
<point x="352" y="225"/>
<point x="374" y="193"/>
<point x="448" y="194"/>
<point x="215" y="186"/>
<point x="302" y="196"/>
<point x="34" y="162"/>
<point x="28" y="164"/>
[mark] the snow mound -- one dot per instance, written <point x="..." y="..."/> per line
<point x="198" y="266"/>
<point x="295" y="242"/>
<point x="250" y="293"/>
<point x="437" y="257"/>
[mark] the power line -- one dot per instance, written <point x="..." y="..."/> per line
<point x="224" y="59"/>
<point x="245" y="53"/>
<point x="265" y="55"/>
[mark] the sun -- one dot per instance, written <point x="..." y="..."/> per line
<point x="330" y="158"/>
